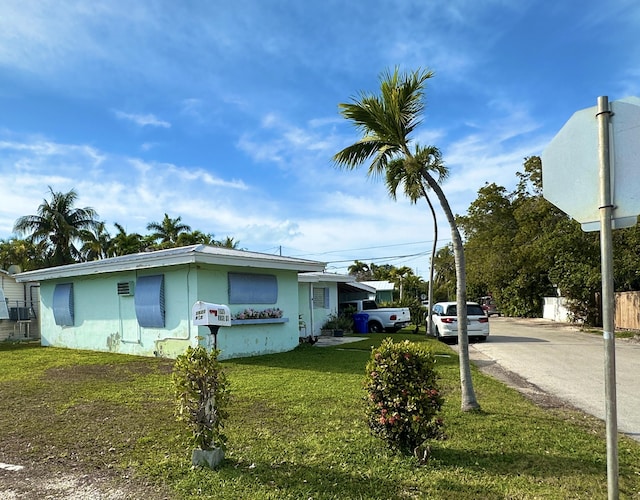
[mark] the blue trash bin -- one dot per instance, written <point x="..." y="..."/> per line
<point x="361" y="322"/>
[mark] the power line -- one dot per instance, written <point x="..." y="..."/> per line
<point x="393" y="257"/>
<point x="368" y="248"/>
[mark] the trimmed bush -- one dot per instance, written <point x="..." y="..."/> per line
<point x="403" y="399"/>
<point x="202" y="395"/>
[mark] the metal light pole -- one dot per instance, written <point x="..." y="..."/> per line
<point x="608" y="304"/>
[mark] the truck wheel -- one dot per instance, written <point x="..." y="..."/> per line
<point x="375" y="327"/>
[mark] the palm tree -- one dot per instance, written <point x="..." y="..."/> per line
<point x="167" y="231"/>
<point x="360" y="270"/>
<point x="194" y="238"/>
<point x="97" y="244"/>
<point x="398" y="275"/>
<point x="57" y="226"/>
<point x="228" y="242"/>
<point x="386" y="122"/>
<point x="125" y="243"/>
<point x="444" y="267"/>
<point x="414" y="188"/>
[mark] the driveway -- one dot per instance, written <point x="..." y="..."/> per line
<point x="562" y="361"/>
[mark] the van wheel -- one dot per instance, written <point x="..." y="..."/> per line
<point x="375" y="327"/>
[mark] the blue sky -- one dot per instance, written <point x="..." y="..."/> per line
<point x="226" y="113"/>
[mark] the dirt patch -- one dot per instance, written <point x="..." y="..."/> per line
<point x="77" y="451"/>
<point x="39" y="481"/>
<point x="115" y="372"/>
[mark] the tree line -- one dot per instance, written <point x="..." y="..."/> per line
<point x="61" y="233"/>
<point x="520" y="248"/>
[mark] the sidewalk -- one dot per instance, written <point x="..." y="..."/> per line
<point x="326" y="341"/>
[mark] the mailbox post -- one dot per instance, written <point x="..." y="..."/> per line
<point x="212" y="315"/>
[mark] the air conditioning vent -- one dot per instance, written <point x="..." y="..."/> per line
<point x="125" y="288"/>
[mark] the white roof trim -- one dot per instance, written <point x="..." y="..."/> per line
<point x="194" y="254"/>
<point x="315" y="277"/>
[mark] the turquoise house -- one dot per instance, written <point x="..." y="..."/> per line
<point x="141" y="304"/>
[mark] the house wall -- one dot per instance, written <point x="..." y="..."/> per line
<point x="23" y="295"/>
<point x="106" y="321"/>
<point x="316" y="314"/>
<point x="257" y="337"/>
<point x="305" y="309"/>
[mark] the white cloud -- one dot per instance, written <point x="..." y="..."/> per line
<point x="142" y="120"/>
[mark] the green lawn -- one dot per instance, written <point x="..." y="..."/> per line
<point x="296" y="430"/>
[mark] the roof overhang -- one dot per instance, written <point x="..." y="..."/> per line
<point x="194" y="254"/>
<point x="356" y="286"/>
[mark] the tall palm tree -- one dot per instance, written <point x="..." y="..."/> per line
<point x="168" y="231"/>
<point x="414" y="188"/>
<point x="387" y="122"/>
<point x="57" y="226"/>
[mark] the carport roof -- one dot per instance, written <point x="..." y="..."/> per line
<point x="346" y="282"/>
<point x="194" y="254"/>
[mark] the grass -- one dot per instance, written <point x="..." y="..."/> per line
<point x="296" y="430"/>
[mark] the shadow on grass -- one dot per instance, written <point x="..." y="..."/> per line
<point x="440" y="478"/>
<point x="21" y="345"/>
<point x="541" y="464"/>
<point x="294" y="480"/>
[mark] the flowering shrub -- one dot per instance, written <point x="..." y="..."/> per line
<point x="254" y="314"/>
<point x="202" y="394"/>
<point x="403" y="399"/>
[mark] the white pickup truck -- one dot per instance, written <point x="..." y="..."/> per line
<point x="388" y="319"/>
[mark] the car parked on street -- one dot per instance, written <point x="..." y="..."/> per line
<point x="445" y="321"/>
<point x="489" y="306"/>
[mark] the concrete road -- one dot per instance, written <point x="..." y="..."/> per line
<point x="566" y="363"/>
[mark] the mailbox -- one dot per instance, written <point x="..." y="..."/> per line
<point x="207" y="314"/>
<point x="212" y="315"/>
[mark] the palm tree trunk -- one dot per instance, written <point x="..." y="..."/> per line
<point x="433" y="256"/>
<point x="468" y="396"/>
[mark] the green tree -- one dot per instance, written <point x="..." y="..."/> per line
<point x="124" y="243"/>
<point x="96" y="244"/>
<point x="521" y="248"/>
<point x="360" y="271"/>
<point x="228" y="242"/>
<point x="167" y="231"/>
<point x="444" y="281"/>
<point x="58" y="226"/>
<point x="414" y="188"/>
<point x="194" y="238"/>
<point x="386" y="122"/>
<point x="22" y="253"/>
<point x="490" y="230"/>
<point x="626" y="257"/>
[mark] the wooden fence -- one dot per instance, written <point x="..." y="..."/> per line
<point x="628" y="310"/>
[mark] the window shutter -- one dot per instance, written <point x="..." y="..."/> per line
<point x="63" y="312"/>
<point x="149" y="301"/>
